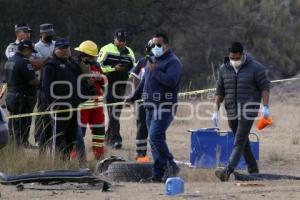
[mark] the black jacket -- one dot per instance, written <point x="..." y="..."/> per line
<point x="242" y="90"/>
<point x="68" y="71"/>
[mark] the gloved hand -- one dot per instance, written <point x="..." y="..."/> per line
<point x="265" y="112"/>
<point x="215" y="119"/>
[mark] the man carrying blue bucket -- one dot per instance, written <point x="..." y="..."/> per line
<point x="242" y="83"/>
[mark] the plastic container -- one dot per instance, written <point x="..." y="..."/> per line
<point x="174" y="186"/>
<point x="211" y="148"/>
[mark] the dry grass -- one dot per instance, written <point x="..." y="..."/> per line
<point x="295" y="140"/>
<point x="276" y="156"/>
<point x="19" y="160"/>
<point x="279" y="153"/>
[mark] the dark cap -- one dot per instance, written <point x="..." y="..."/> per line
<point x="47" y="28"/>
<point x="62" y="42"/>
<point x="121" y="35"/>
<point x="22" y="27"/>
<point x="26" y="44"/>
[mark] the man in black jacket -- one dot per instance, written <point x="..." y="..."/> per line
<point x="242" y="83"/>
<point x="59" y="90"/>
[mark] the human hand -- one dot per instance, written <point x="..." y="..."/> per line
<point x="119" y="67"/>
<point x="215" y="119"/>
<point x="265" y="112"/>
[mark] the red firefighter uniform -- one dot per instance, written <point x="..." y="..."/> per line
<point x="95" y="118"/>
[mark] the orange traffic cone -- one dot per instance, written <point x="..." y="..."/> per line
<point x="263" y="122"/>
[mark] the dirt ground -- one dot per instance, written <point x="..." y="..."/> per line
<point x="279" y="154"/>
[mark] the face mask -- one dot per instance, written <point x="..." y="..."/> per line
<point x="157" y="51"/>
<point x="235" y="63"/>
<point x="48" y="39"/>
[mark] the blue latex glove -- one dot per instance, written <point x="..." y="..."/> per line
<point x="215" y="119"/>
<point x="265" y="112"/>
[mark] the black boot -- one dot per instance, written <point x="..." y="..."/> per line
<point x="223" y="174"/>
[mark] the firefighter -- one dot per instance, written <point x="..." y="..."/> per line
<point x="88" y="52"/>
<point x="116" y="61"/>
<point x="21" y="97"/>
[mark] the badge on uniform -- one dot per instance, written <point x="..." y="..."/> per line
<point x="30" y="67"/>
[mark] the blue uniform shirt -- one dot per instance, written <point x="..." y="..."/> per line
<point x="18" y="73"/>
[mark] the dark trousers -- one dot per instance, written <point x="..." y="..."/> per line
<point x="66" y="133"/>
<point x="19" y="127"/>
<point x="158" y="123"/>
<point x="241" y="129"/>
<point x="114" y="95"/>
<point x="142" y="131"/>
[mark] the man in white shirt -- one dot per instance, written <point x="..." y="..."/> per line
<point x="45" y="46"/>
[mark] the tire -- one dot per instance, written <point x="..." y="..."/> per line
<point x="103" y="165"/>
<point x="129" y="171"/>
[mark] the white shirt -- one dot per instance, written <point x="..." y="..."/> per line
<point x="44" y="50"/>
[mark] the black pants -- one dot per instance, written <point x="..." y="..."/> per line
<point x="241" y="129"/>
<point x="114" y="95"/>
<point x="19" y="127"/>
<point x="66" y="133"/>
<point x="142" y="131"/>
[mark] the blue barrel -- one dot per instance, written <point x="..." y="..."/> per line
<point x="174" y="186"/>
<point x="211" y="148"/>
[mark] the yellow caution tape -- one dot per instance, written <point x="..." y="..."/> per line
<point x="90" y="104"/>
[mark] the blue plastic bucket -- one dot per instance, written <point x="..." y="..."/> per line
<point x="211" y="148"/>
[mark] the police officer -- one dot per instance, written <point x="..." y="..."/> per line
<point x="21" y="97"/>
<point x="45" y="46"/>
<point x="116" y="60"/>
<point x="59" y="91"/>
<point x="23" y="32"/>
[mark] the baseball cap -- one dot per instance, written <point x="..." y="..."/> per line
<point x="26" y="44"/>
<point x="121" y="35"/>
<point x="62" y="42"/>
<point x="47" y="28"/>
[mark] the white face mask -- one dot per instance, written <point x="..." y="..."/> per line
<point x="236" y="63"/>
<point x="157" y="51"/>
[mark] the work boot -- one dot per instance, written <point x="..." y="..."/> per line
<point x="223" y="174"/>
<point x="151" y="180"/>
<point x="253" y="170"/>
<point x="172" y="170"/>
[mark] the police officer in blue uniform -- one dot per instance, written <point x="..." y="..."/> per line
<point x="21" y="97"/>
<point x="61" y="67"/>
